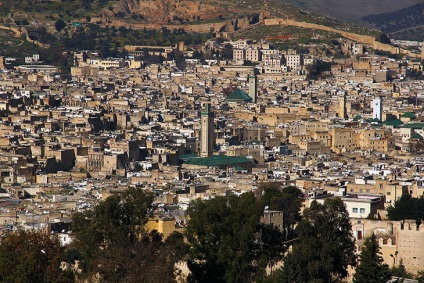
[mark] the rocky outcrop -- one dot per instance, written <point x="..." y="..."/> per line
<point x="229" y="25"/>
<point x="241" y="23"/>
<point x="164" y="11"/>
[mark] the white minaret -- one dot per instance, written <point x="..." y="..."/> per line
<point x="377" y="108"/>
<point x="206" y="132"/>
<point x="253" y="88"/>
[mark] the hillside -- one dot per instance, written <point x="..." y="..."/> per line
<point x="352" y="10"/>
<point x="235" y="14"/>
<point x="110" y="25"/>
<point x="400" y="22"/>
<point x="158" y="11"/>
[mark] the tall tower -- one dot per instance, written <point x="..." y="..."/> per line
<point x="253" y="88"/>
<point x="343" y="107"/>
<point x="377" y="108"/>
<point x="206" y="131"/>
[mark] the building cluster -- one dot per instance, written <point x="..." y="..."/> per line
<point x="217" y="129"/>
<point x="269" y="60"/>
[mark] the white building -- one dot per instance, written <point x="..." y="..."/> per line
<point x="293" y="61"/>
<point x="357" y="205"/>
<point x="377" y="108"/>
<point x="35" y="58"/>
<point x="107" y="64"/>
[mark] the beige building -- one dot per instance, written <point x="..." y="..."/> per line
<point x="239" y="54"/>
<point x="397" y="239"/>
<point x="164" y="225"/>
<point x="253" y="55"/>
<point x="372" y="139"/>
<point x="389" y="189"/>
<point x="314" y="147"/>
<point x="274" y="218"/>
<point x="342" y="140"/>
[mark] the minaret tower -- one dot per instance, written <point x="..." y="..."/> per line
<point x="253" y="88"/>
<point x="342" y="107"/>
<point x="377" y="108"/>
<point x="206" y="132"/>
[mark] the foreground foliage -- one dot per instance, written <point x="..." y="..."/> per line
<point x="32" y="256"/>
<point x="110" y="241"/>
<point x="286" y="200"/>
<point x="371" y="268"/>
<point x="407" y="207"/>
<point x="325" y="246"/>
<point x="227" y="242"/>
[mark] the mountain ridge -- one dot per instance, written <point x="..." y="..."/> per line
<point x="398" y="20"/>
<point x="352" y="10"/>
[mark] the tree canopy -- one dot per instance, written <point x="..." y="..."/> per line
<point x="228" y="243"/>
<point x="371" y="268"/>
<point x="110" y="241"/>
<point x="325" y="245"/>
<point x="119" y="215"/>
<point x="286" y="200"/>
<point x="31" y="256"/>
<point x="148" y="259"/>
<point x="407" y="207"/>
<point x="59" y="25"/>
<point x="318" y="70"/>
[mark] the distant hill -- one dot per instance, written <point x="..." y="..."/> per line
<point x="224" y="15"/>
<point x="352" y="10"/>
<point x="39" y="18"/>
<point x="152" y="11"/>
<point x="402" y="19"/>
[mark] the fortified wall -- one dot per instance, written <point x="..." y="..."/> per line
<point x="365" y="39"/>
<point x="410" y="243"/>
<point x="397" y="239"/>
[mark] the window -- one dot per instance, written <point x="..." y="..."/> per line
<point x="355" y="210"/>
<point x="362" y="210"/>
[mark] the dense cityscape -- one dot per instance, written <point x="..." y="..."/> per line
<point x="210" y="156"/>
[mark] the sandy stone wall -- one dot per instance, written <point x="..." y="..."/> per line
<point x="365" y="39"/>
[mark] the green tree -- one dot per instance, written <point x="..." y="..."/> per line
<point x="383" y="38"/>
<point x="371" y="268"/>
<point x="407" y="207"/>
<point x="105" y="48"/>
<point x="400" y="271"/>
<point x="325" y="245"/>
<point x="120" y="216"/>
<point x="59" y="25"/>
<point x="228" y="243"/>
<point x="226" y="52"/>
<point x="286" y="200"/>
<point x="317" y="69"/>
<point x="148" y="259"/>
<point x="32" y="256"/>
